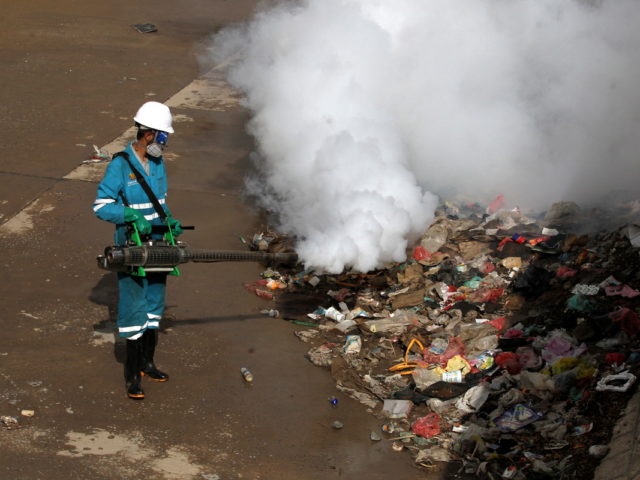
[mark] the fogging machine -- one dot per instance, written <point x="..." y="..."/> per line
<point x="141" y="256"/>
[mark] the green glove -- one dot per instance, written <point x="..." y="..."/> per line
<point x="176" y="226"/>
<point x="135" y="217"/>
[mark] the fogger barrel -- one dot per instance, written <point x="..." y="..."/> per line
<point x="152" y="257"/>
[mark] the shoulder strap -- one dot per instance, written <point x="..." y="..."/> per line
<point x="145" y="186"/>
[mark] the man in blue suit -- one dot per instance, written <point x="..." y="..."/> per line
<point x="122" y="200"/>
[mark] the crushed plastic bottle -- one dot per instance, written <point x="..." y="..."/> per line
<point x="248" y="376"/>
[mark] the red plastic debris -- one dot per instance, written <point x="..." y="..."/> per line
<point x="485" y="295"/>
<point x="427" y="426"/>
<point x="502" y="243"/>
<point x="264" y="294"/>
<point x="420" y="253"/>
<point x="498" y="323"/>
<point x="615" y="358"/>
<point x="254" y="287"/>
<point x="496" y="205"/>
<point x="565" y="272"/>
<point x="510" y="361"/>
<point x="487" y="267"/>
<point x="534" y="241"/>
<point x="514" y="333"/>
<point x="628" y="320"/>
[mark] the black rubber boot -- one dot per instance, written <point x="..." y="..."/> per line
<point x="149" y="340"/>
<point x="132" y="369"/>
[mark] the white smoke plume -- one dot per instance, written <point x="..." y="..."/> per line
<point x="361" y="107"/>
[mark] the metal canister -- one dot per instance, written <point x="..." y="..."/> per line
<point x="452" y="377"/>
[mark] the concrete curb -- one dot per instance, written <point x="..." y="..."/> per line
<point x="623" y="460"/>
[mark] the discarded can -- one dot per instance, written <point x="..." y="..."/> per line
<point x="452" y="377"/>
<point x="333" y="401"/>
<point x="248" y="376"/>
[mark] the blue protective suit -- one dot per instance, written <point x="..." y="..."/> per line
<point x="141" y="299"/>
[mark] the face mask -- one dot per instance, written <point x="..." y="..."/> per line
<point x="155" y="148"/>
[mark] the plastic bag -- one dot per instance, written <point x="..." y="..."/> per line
<point x="627" y="319"/>
<point x="254" y="287"/>
<point x="427" y="426"/>
<point x="516" y="417"/>
<point x="424" y="377"/>
<point x="565" y="272"/>
<point x="455" y="347"/>
<point x="485" y="295"/>
<point x="622" y="290"/>
<point x="473" y="399"/>
<point x="498" y="323"/>
<point x="508" y="361"/>
<point x="580" y="303"/>
<point x="397" y="408"/>
<point x="533" y="282"/>
<point x="611" y="383"/>
<point x="445" y="390"/>
<point x="435" y="236"/>
<point x="528" y="358"/>
<point x="561" y="346"/>
<point x="615" y="358"/>
<point x="420" y="253"/>
<point x="458" y="363"/>
<point x="496" y="204"/>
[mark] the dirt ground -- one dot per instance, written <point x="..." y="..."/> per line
<point x="72" y="74"/>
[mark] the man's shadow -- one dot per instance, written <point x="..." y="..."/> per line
<point x="105" y="293"/>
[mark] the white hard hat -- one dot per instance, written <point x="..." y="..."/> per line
<point x="154" y="115"/>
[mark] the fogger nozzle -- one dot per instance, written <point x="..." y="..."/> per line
<point x="169" y="256"/>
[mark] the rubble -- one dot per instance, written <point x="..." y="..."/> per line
<point x="506" y="343"/>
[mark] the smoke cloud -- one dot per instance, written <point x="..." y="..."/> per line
<point x="361" y="108"/>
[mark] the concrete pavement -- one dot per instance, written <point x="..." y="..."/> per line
<point x="58" y="354"/>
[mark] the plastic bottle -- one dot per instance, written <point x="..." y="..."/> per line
<point x="248" y="376"/>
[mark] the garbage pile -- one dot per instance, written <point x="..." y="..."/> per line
<point x="507" y="343"/>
